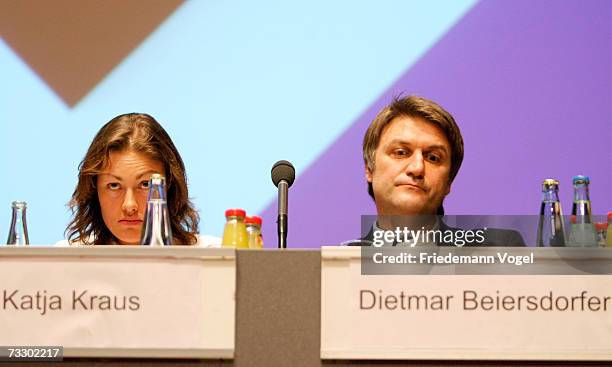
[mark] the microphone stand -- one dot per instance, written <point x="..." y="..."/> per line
<point x="283" y="202"/>
<point x="283" y="175"/>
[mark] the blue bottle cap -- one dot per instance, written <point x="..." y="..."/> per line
<point x="584" y="179"/>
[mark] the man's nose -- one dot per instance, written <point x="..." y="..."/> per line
<point x="130" y="205"/>
<point x="416" y="165"/>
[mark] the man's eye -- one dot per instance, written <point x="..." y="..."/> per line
<point x="434" y="158"/>
<point x="144" y="184"/>
<point x="114" y="186"/>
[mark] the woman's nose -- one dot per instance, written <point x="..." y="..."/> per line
<point x="130" y="205"/>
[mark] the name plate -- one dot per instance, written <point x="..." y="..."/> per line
<point x="488" y="316"/>
<point x="114" y="301"/>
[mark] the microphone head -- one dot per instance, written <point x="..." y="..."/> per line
<point x="283" y="170"/>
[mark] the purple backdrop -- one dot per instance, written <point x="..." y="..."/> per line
<point x="529" y="83"/>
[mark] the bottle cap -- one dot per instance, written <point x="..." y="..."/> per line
<point x="157" y="179"/>
<point x="580" y="179"/>
<point x="601" y="226"/>
<point x="254" y="219"/>
<point x="19" y="204"/>
<point x="548" y="183"/>
<point x="235" y="213"/>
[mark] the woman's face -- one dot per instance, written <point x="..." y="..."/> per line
<point x="122" y="191"/>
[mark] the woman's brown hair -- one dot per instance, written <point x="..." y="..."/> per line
<point x="140" y="133"/>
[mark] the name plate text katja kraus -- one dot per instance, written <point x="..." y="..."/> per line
<point x="121" y="299"/>
<point x="79" y="300"/>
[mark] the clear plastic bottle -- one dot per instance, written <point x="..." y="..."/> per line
<point x="235" y="234"/>
<point x="582" y="231"/>
<point x="551" y="230"/>
<point x="157" y="230"/>
<point x="253" y="228"/>
<point x="601" y="228"/>
<point x="18" y="232"/>
<point x="609" y="234"/>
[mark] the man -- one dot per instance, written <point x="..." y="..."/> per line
<point x="412" y="153"/>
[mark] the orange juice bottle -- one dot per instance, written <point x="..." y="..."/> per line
<point x="253" y="227"/>
<point x="235" y="234"/>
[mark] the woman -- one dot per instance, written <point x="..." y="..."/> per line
<point x="109" y="201"/>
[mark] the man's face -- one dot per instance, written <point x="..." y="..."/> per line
<point x="122" y="192"/>
<point x="411" y="169"/>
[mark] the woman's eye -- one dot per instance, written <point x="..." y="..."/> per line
<point x="144" y="184"/>
<point x="400" y="152"/>
<point x="113" y="186"/>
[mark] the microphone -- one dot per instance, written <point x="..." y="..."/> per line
<point x="283" y="175"/>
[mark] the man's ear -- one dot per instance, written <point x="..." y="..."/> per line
<point x="368" y="174"/>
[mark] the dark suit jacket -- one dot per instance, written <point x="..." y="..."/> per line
<point x="494" y="237"/>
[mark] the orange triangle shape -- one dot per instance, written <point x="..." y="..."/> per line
<point x="74" y="44"/>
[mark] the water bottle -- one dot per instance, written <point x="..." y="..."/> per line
<point x="551" y="230"/>
<point x="609" y="234"/>
<point x="156" y="230"/>
<point x="582" y="231"/>
<point x="601" y="228"/>
<point x="18" y="233"/>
